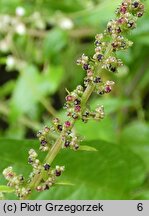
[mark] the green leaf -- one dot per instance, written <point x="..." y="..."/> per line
<point x="98" y="14"/>
<point x="104" y="130"/>
<point x="7" y="88"/>
<point x="141" y="33"/>
<point x="15" y="131"/>
<point x="55" y="40"/>
<point x="26" y="93"/>
<point x="15" y="153"/>
<point x="6" y="189"/>
<point x="32" y="87"/>
<point x="144" y="80"/>
<point x="51" y="80"/>
<point x="111" y="172"/>
<point x="136" y="137"/>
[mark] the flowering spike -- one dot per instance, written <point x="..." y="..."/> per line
<point x="43" y="176"/>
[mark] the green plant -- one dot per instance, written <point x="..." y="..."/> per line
<point x="61" y="135"/>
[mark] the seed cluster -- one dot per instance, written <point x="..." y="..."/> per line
<point x="43" y="138"/>
<point x="127" y="14"/>
<point x="104" y="58"/>
<point x="51" y="175"/>
<point x="73" y="102"/>
<point x="71" y="141"/>
<point x="16" y="181"/>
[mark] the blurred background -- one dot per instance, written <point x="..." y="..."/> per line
<point x="40" y="41"/>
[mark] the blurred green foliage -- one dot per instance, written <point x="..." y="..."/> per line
<point x="38" y="52"/>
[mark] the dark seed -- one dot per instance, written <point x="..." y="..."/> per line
<point x="130" y="24"/>
<point x="30" y="160"/>
<point x="97" y="43"/>
<point x="112" y="68"/>
<point x="47" y="167"/>
<point x="46" y="187"/>
<point x="21" y="178"/>
<point x="109" y="29"/>
<point x="86" y="114"/>
<point x="97" y="80"/>
<point x="139" y="14"/>
<point x="114" y="45"/>
<point x="118" y="30"/>
<point x="135" y="4"/>
<point x="57" y="173"/>
<point x="76" y="146"/>
<point x="68" y="132"/>
<point x="59" y="127"/>
<point x="43" y="142"/>
<point x="101" y="92"/>
<point x="85" y="66"/>
<point x="99" y="57"/>
<point x="86" y="80"/>
<point x="67" y="143"/>
<point x="77" y="102"/>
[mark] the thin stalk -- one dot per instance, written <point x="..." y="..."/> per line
<point x="49" y="158"/>
<point x="48" y="107"/>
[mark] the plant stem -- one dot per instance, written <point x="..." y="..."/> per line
<point x="53" y="152"/>
<point x="49" y="158"/>
<point x="91" y="86"/>
<point x="87" y="94"/>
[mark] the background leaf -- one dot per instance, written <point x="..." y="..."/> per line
<point x="39" y="63"/>
<point x="136" y="137"/>
<point x="115" y="177"/>
<point x="54" y="42"/>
